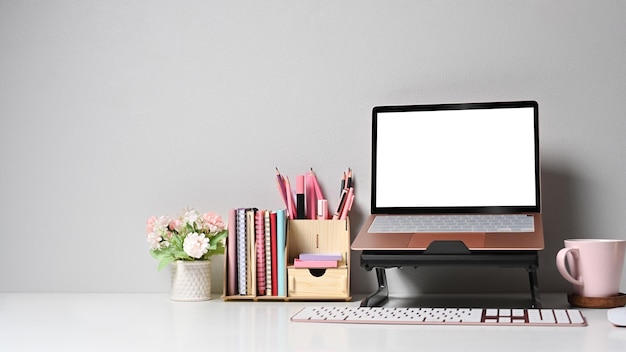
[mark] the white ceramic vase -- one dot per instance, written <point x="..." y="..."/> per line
<point x="191" y="280"/>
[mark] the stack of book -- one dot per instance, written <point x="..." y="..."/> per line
<point x="317" y="260"/>
<point x="256" y="263"/>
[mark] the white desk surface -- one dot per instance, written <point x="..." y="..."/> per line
<point x="151" y="322"/>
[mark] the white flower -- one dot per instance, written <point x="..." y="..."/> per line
<point x="161" y="225"/>
<point x="190" y="217"/>
<point x="196" y="245"/>
<point x="154" y="240"/>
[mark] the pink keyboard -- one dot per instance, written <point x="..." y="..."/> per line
<point x="449" y="316"/>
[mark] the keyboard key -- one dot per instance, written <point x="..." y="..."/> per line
<point x="491" y="312"/>
<point x="518" y="312"/>
<point x="561" y="316"/>
<point x="575" y="316"/>
<point x="541" y="316"/>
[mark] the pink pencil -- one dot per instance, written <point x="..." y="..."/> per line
<point x="291" y="211"/>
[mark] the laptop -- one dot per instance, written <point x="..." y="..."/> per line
<point x="450" y="163"/>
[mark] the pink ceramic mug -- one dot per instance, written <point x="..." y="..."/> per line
<point x="594" y="266"/>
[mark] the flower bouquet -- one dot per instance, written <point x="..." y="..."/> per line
<point x="192" y="236"/>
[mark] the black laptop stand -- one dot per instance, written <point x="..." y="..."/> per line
<point x="445" y="253"/>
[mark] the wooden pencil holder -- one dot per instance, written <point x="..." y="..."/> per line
<point x="319" y="236"/>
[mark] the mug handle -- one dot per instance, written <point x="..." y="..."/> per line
<point x="560" y="264"/>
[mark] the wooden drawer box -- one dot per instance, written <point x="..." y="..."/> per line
<point x="318" y="283"/>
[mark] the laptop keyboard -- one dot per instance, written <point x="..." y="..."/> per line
<point x="445" y="316"/>
<point x="452" y="223"/>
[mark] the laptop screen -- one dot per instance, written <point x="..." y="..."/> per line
<point x="456" y="158"/>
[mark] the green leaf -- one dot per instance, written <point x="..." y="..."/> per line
<point x="218" y="237"/>
<point x="180" y="254"/>
<point x="159" y="254"/>
<point x="176" y="241"/>
<point x="165" y="262"/>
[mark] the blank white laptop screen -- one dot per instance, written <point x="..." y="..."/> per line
<point x="478" y="157"/>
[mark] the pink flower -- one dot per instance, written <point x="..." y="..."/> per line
<point x="150" y="224"/>
<point x="213" y="222"/>
<point x="174" y="225"/>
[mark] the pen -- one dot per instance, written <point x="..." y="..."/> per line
<point x="343" y="183"/>
<point x="301" y="214"/>
<point x="342" y="201"/>
<point x="347" y="205"/>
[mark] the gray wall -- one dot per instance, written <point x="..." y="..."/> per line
<point x="113" y="111"/>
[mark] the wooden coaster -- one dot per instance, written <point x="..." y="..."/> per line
<point x="597" y="302"/>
